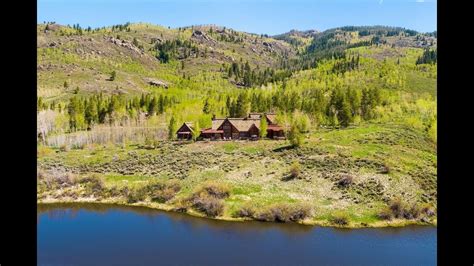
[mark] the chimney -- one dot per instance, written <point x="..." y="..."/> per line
<point x="213" y="116"/>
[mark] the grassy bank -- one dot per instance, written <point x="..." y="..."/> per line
<point x="369" y="176"/>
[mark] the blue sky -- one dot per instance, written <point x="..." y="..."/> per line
<point x="258" y="16"/>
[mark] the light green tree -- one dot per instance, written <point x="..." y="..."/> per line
<point x="196" y="131"/>
<point x="295" y="136"/>
<point x="172" y="128"/>
<point x="263" y="127"/>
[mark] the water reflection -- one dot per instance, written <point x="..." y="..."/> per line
<point x="107" y="234"/>
<point x="70" y="211"/>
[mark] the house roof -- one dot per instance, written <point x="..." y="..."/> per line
<point x="217" y="122"/>
<point x="255" y="115"/>
<point x="271" y="117"/>
<point x="275" y="127"/>
<point x="244" y="124"/>
<point x="186" y="124"/>
<point x="210" y="131"/>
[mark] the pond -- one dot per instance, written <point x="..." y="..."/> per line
<point x="101" y="234"/>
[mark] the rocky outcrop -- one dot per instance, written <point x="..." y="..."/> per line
<point x="52" y="27"/>
<point x="126" y="44"/>
<point x="157" y="82"/>
<point x="268" y="46"/>
<point x="201" y="36"/>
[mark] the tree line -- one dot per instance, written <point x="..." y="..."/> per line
<point x="172" y="49"/>
<point x="340" y="108"/>
<point x="246" y="76"/>
<point x="428" y="57"/>
<point x="84" y="112"/>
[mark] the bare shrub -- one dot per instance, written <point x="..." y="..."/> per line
<point x="413" y="212"/>
<point x="385" y="169"/>
<point x="136" y="195"/>
<point x="339" y="219"/>
<point x="295" y="170"/>
<point x="397" y="207"/>
<point x="161" y="191"/>
<point x="345" y="181"/>
<point x="428" y="210"/>
<point x="208" y="199"/>
<point x="217" y="190"/>
<point x="55" y="178"/>
<point x="93" y="183"/>
<point x="400" y="209"/>
<point x="181" y="205"/>
<point x="164" y="195"/>
<point x="385" y="214"/>
<point x="118" y="133"/>
<point x="64" y="148"/>
<point x="245" y="212"/>
<point x="211" y="206"/>
<point x="266" y="216"/>
<point x="66" y="179"/>
<point x="45" y="123"/>
<point x="113" y="192"/>
<point x="40" y="174"/>
<point x="69" y="193"/>
<point x="300" y="212"/>
<point x="283" y="212"/>
<point x="180" y="209"/>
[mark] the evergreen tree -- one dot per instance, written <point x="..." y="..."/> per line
<point x="243" y="105"/>
<point x="91" y="112"/>
<point x="161" y="104"/>
<point x="153" y="106"/>
<point x="228" y="104"/>
<point x="344" y="115"/>
<point x="207" y="108"/>
<point x="76" y="114"/>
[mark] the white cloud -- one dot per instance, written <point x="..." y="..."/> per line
<point x="381" y="1"/>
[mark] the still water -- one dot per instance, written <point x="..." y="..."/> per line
<point x="93" y="234"/>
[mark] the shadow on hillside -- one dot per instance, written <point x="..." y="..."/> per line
<point x="284" y="148"/>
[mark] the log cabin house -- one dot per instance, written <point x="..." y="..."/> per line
<point x="185" y="131"/>
<point x="235" y="128"/>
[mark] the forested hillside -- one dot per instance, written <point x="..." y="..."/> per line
<point x="345" y="75"/>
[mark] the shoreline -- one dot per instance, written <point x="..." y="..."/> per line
<point x="169" y="208"/>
